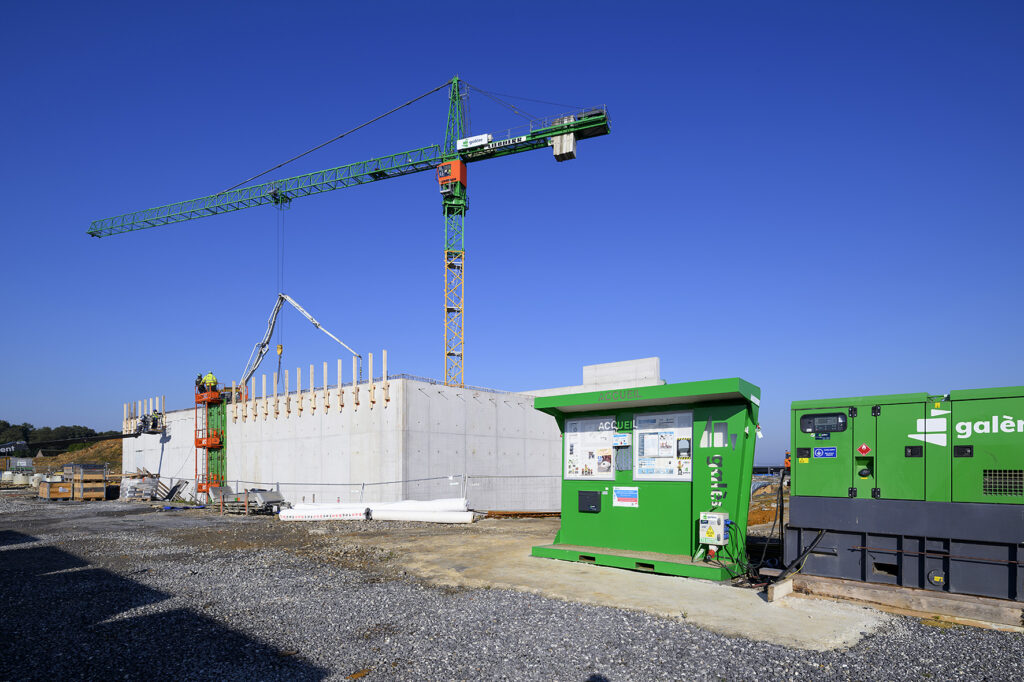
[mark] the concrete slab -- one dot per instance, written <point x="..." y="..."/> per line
<point x="498" y="555"/>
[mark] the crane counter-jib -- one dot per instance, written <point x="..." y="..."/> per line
<point x="591" y="123"/>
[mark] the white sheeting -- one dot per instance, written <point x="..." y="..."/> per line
<point x="433" y="511"/>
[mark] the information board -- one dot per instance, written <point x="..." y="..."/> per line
<point x="589" y="448"/>
<point x="663" y="446"/>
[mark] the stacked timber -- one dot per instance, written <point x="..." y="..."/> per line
<point x="88" y="481"/>
<point x="54" y="490"/>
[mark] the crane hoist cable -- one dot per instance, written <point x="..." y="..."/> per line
<point x="280" y="288"/>
<point x="508" y="105"/>
<point x="525" y="99"/>
<point x="337" y="137"/>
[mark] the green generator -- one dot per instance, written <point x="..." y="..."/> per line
<point x="656" y="478"/>
<point x="914" y="490"/>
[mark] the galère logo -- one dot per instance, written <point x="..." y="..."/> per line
<point x="933" y="429"/>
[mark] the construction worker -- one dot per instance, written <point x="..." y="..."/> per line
<point x="210" y="382"/>
<point x="199" y="383"/>
<point x="786" y="462"/>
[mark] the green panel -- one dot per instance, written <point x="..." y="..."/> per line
<point x="985" y="393"/>
<point x="900" y="477"/>
<point x="938" y="452"/>
<point x="824" y="476"/>
<point x="217" y="458"/>
<point x="681" y="568"/>
<point x="866" y="400"/>
<point x="864" y="434"/>
<point x="994" y="428"/>
<point x="722" y="475"/>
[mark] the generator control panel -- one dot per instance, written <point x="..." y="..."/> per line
<point x="713" y="528"/>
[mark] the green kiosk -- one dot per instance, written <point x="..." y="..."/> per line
<point x="656" y="478"/>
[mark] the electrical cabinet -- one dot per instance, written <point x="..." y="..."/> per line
<point x="713" y="528"/>
<point x="914" y="489"/>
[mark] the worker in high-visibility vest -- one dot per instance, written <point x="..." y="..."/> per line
<point x="210" y="381"/>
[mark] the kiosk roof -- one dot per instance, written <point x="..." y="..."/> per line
<point x="651" y="396"/>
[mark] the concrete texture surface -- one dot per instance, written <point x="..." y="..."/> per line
<point x="425" y="431"/>
<point x="498" y="555"/>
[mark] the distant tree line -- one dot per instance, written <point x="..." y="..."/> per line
<point x="30" y="434"/>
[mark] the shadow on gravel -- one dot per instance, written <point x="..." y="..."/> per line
<point x="67" y="614"/>
<point x="10" y="537"/>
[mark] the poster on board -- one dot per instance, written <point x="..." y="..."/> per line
<point x="589" y="449"/>
<point x="664" y="449"/>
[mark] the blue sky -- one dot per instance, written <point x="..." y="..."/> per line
<point x="822" y="198"/>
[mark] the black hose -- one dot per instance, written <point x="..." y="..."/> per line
<point x="797" y="563"/>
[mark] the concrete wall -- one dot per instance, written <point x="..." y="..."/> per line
<point x="499" y="451"/>
<point x="608" y="376"/>
<point x="326" y="453"/>
<point x="510" y="452"/>
<point x="171" y="454"/>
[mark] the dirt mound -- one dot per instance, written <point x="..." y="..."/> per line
<point x="105" y="452"/>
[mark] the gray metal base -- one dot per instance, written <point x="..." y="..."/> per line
<point x="963" y="548"/>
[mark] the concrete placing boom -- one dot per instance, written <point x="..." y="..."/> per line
<point x="448" y="160"/>
<point x="260" y="349"/>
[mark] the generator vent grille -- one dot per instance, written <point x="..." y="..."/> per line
<point x="1003" y="482"/>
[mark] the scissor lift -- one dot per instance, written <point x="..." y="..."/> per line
<point x="210" y="420"/>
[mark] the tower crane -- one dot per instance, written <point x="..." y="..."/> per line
<point x="449" y="162"/>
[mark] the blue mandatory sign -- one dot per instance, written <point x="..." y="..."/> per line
<point x="825" y="452"/>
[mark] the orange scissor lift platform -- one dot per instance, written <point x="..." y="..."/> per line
<point x="210" y="422"/>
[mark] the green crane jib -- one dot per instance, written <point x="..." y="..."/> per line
<point x="560" y="132"/>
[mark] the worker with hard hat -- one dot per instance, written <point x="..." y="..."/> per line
<point x="210" y="382"/>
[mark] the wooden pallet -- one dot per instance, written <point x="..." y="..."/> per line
<point x="999" y="614"/>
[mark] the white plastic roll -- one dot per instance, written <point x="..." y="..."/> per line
<point x="322" y="515"/>
<point x="424" y="516"/>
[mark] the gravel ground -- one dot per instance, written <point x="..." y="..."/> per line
<point x="115" y="591"/>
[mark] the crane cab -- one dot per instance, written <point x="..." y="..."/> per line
<point x="450" y="173"/>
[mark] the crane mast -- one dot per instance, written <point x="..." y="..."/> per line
<point x="453" y="201"/>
